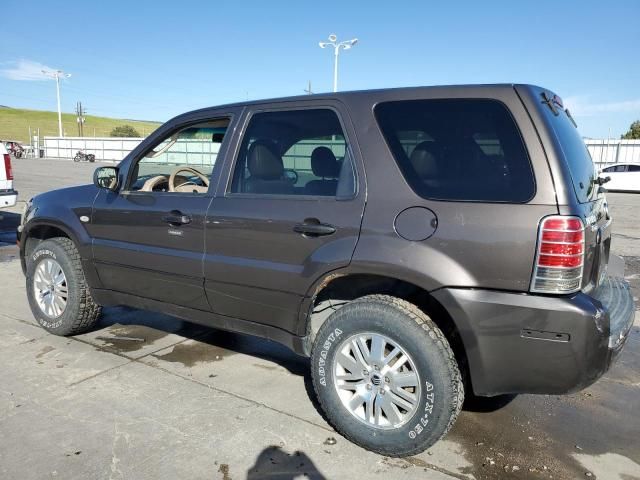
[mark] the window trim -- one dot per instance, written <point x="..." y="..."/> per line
<point x="288" y="108"/>
<point x="180" y="126"/>
<point x="448" y="200"/>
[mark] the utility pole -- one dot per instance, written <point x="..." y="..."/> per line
<point x="57" y="74"/>
<point x="80" y="118"/>
<point x="308" y="89"/>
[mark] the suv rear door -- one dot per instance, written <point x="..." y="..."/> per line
<point x="278" y="223"/>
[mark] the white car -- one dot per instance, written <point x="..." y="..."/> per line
<point x="8" y="196"/>
<point x="625" y="177"/>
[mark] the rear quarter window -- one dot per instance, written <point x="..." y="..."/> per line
<point x="458" y="149"/>
<point x="576" y="156"/>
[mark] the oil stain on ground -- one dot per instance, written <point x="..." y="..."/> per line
<point x="119" y="345"/>
<point x="192" y="352"/>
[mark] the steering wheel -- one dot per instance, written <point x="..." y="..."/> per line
<point x="172" y="178"/>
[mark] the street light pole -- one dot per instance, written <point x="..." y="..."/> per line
<point x="57" y="74"/>
<point x="336" y="55"/>
<point x="59" y="109"/>
<point x="333" y="42"/>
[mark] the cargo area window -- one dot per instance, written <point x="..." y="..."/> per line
<point x="458" y="149"/>
<point x="294" y="152"/>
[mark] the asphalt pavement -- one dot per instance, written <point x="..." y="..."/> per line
<point x="184" y="401"/>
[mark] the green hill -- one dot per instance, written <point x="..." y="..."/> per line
<point x="15" y="123"/>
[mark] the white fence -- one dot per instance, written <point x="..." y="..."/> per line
<point x="109" y="148"/>
<point x="603" y="152"/>
<point x="606" y="152"/>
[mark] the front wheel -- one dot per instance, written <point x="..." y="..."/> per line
<point x="56" y="288"/>
<point x="385" y="376"/>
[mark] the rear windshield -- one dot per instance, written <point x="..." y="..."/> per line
<point x="576" y="155"/>
<point x="458" y="149"/>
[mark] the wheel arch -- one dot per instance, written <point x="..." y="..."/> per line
<point x="340" y="287"/>
<point x="40" y="229"/>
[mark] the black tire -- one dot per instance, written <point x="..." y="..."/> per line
<point x="81" y="312"/>
<point x="441" y="387"/>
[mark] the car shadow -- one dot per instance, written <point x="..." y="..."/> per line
<point x="274" y="463"/>
<point x="473" y="403"/>
<point x="126" y="321"/>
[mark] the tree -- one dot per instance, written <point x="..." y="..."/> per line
<point x="124" y="131"/>
<point x="633" y="133"/>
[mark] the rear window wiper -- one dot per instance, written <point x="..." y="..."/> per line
<point x="570" y="117"/>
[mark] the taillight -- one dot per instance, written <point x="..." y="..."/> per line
<point x="560" y="255"/>
<point x="7" y="167"/>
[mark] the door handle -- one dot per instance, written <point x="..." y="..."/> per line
<point x="176" y="218"/>
<point x="314" y="229"/>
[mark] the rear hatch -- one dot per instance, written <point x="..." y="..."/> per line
<point x="584" y="197"/>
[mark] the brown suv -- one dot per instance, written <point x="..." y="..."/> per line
<point x="416" y="243"/>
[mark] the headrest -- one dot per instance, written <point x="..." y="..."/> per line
<point x="324" y="163"/>
<point x="264" y="162"/>
<point x="424" y="160"/>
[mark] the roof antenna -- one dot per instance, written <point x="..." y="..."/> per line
<point x="308" y="89"/>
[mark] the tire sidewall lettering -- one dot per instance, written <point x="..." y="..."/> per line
<point x="45" y="251"/>
<point x="427" y="412"/>
<point x="322" y="358"/>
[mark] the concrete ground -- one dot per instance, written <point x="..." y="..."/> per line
<point x="192" y="402"/>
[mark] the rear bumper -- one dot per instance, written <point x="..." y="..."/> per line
<point x="8" y="198"/>
<point x="524" y="343"/>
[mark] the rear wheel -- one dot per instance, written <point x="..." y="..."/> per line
<point x="58" y="295"/>
<point x="385" y="376"/>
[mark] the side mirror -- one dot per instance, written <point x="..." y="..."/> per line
<point x="106" y="177"/>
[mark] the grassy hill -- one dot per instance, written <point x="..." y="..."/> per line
<point x="15" y="123"/>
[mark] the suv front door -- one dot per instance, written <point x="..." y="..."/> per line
<point x="289" y="213"/>
<point x="148" y="237"/>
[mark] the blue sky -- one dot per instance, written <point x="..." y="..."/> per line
<point x="154" y="59"/>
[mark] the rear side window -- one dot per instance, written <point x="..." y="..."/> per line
<point x="458" y="149"/>
<point x="294" y="152"/>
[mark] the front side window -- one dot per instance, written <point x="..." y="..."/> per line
<point x="458" y="149"/>
<point x="296" y="152"/>
<point x="181" y="162"/>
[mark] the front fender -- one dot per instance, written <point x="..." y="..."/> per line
<point x="61" y="210"/>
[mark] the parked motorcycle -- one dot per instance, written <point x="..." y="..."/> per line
<point x="15" y="149"/>
<point x="81" y="156"/>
